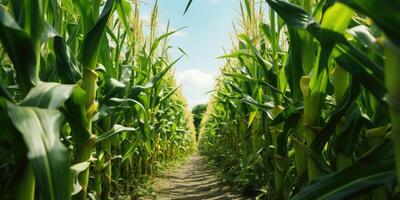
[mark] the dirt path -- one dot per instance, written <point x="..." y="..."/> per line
<point x="191" y="181"/>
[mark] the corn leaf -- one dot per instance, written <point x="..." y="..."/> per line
<point x="40" y="130"/>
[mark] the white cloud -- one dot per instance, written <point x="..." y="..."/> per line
<point x="195" y="85"/>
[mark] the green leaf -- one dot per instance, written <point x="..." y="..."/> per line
<point x="4" y="92"/>
<point x="266" y="29"/>
<point x="31" y="17"/>
<point x="349" y="183"/>
<point x="20" y="49"/>
<point x="262" y="106"/>
<point x="156" y="42"/>
<point x="151" y="83"/>
<point x="383" y="13"/>
<point x="75" y="113"/>
<point x="350" y="96"/>
<point x="350" y="58"/>
<point x="348" y="138"/>
<point x="337" y="18"/>
<point x="40" y="129"/>
<point x="140" y="108"/>
<point x="124" y="10"/>
<point x="169" y="95"/>
<point x="117" y="129"/>
<point x="188" y="6"/>
<point x="286" y="114"/>
<point x="364" y="37"/>
<point x="292" y="14"/>
<point x="248" y="9"/>
<point x="294" y="68"/>
<point x="67" y="71"/>
<point x="76" y="170"/>
<point x="91" y="44"/>
<point x="48" y="95"/>
<point x="114" y="88"/>
<point x="373" y="170"/>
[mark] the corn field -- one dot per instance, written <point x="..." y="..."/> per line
<point x="88" y="101"/>
<point x="307" y="103"/>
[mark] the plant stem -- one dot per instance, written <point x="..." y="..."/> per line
<point x="300" y="155"/>
<point x="392" y="81"/>
<point x="341" y="84"/>
<point x="311" y="115"/>
<point x="85" y="148"/>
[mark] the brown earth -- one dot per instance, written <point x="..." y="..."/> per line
<point x="191" y="181"/>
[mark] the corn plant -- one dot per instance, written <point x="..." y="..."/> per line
<point x="89" y="105"/>
<point x="305" y="107"/>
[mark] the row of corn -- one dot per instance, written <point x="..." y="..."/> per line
<point x="308" y="103"/>
<point x="88" y="102"/>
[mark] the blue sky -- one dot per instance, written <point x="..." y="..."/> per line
<point x="209" y="24"/>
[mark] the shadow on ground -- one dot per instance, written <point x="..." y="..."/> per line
<point x="192" y="181"/>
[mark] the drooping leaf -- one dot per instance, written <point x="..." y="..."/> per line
<point x="262" y="106"/>
<point x="40" y="129"/>
<point x="351" y="94"/>
<point x="76" y="170"/>
<point x="373" y="170"/>
<point x="68" y="73"/>
<point x="292" y="14"/>
<point x="156" y="42"/>
<point x="381" y="12"/>
<point x="117" y="129"/>
<point x="350" y="58"/>
<point x="151" y="83"/>
<point x="48" y="95"/>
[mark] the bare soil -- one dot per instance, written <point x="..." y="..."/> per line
<point x="194" y="180"/>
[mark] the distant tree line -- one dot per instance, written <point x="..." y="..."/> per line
<point x="198" y="112"/>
